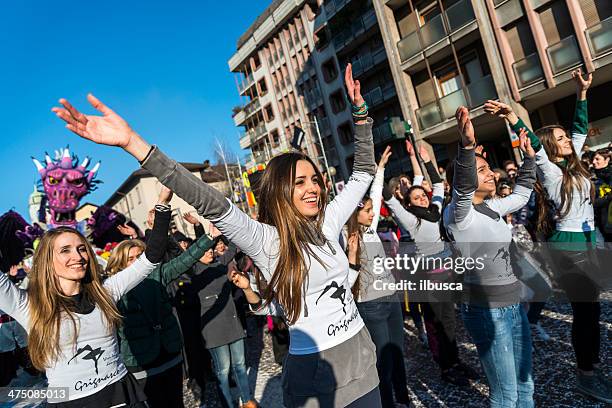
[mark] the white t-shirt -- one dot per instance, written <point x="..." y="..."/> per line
<point x="94" y="362"/>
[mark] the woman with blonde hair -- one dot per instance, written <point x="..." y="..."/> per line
<point x="295" y="244"/>
<point x="71" y="319"/>
<point x="150" y="338"/>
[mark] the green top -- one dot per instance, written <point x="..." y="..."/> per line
<point x="150" y="330"/>
<point x="576" y="241"/>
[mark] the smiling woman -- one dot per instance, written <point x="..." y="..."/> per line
<point x="71" y="318"/>
<point x="295" y="245"/>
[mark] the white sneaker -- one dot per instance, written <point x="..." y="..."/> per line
<point x="540" y="331"/>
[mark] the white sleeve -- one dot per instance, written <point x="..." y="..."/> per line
<point x="340" y="209"/>
<point x="550" y="174"/>
<point x="406" y="219"/>
<point x="437" y="196"/>
<point x="418" y="180"/>
<point x="14" y="301"/>
<point x="257" y="240"/>
<point x="352" y="277"/>
<point x="460" y="210"/>
<point x="376" y="196"/>
<point x="511" y="203"/>
<point x="127" y="279"/>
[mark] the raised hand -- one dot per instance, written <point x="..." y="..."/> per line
<point x="190" y="218"/>
<point x="498" y="109"/>
<point x="127" y="231"/>
<point x="353" y="87"/>
<point x="150" y="218"/>
<point x="410" y="148"/>
<point x="424" y="154"/>
<point x="165" y="196"/>
<point x="353" y="245"/>
<point x="109" y="129"/>
<point x="214" y="231"/>
<point x="480" y="150"/>
<point x="240" y="279"/>
<point x="582" y="84"/>
<point x="466" y="129"/>
<point x="384" y="159"/>
<point x="525" y="143"/>
<point x="13" y="270"/>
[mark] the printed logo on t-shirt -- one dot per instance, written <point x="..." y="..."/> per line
<point x="92" y="355"/>
<point x="504" y="254"/>
<point x="338" y="293"/>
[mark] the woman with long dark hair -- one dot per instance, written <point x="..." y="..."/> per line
<point x="490" y="303"/>
<point x="71" y="318"/>
<point x="421" y="217"/>
<point x="294" y="243"/>
<point x="378" y="305"/>
<point x="568" y="184"/>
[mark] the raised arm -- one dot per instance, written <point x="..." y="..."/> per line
<point x="364" y="166"/>
<point x="524" y="182"/>
<point x="124" y="281"/>
<point x="580" y="125"/>
<point x="174" y="268"/>
<point x="436" y="181"/>
<point x="13" y="301"/>
<point x="465" y="179"/>
<point x="377" y="187"/>
<point x="414" y="162"/>
<point x="110" y="129"/>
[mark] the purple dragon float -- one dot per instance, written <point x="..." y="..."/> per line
<point x="65" y="182"/>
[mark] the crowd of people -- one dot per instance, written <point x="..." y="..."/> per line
<point x="166" y="307"/>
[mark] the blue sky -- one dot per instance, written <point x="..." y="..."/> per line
<point x="160" y="64"/>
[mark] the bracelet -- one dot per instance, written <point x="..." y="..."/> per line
<point x="356" y="267"/>
<point x="356" y="108"/>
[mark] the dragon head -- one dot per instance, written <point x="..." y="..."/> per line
<point x="65" y="182"/>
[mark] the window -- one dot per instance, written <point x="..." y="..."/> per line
<point x="268" y="113"/>
<point x="322" y="38"/>
<point x="337" y="101"/>
<point x="345" y="133"/>
<point x="520" y="39"/>
<point x="595" y="11"/>
<point x="256" y="62"/>
<point x="329" y="70"/>
<point x="263" y="88"/>
<point x="556" y="22"/>
<point x="275" y="138"/>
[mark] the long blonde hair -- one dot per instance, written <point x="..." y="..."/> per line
<point x="295" y="231"/>
<point x="118" y="260"/>
<point x="48" y="305"/>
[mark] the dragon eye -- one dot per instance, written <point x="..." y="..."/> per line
<point x="52" y="180"/>
<point x="78" y="182"/>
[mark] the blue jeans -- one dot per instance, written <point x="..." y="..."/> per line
<point x="383" y="319"/>
<point x="503" y="340"/>
<point x="221" y="357"/>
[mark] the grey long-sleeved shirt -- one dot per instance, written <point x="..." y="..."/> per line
<point x="481" y="232"/>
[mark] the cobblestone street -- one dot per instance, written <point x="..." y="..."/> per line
<point x="553" y="368"/>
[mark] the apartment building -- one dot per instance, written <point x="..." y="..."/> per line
<point x="280" y="85"/>
<point x="446" y="53"/>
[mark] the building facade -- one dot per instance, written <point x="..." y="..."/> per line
<point x="446" y="53"/>
<point x="291" y="65"/>
<point x="139" y="193"/>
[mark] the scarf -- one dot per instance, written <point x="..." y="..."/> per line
<point x="431" y="213"/>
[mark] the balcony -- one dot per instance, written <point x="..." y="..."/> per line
<point x="528" y="70"/>
<point x="246" y="84"/>
<point x="481" y="90"/>
<point x="409" y="46"/>
<point x="252" y="107"/>
<point x="477" y="92"/>
<point x="458" y="15"/>
<point x="599" y="37"/>
<point x="433" y="31"/>
<point x="382" y="134"/>
<point x="564" y="54"/>
<point x="245" y="141"/>
<point x="365" y="62"/>
<point x="334" y="6"/>
<point x="358" y="27"/>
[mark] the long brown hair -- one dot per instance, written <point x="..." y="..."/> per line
<point x="295" y="231"/>
<point x="118" y="260"/>
<point x="353" y="226"/>
<point x="48" y="305"/>
<point x="574" y="172"/>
